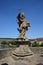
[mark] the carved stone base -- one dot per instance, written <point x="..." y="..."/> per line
<point x="22" y="51"/>
<point x="22" y="48"/>
<point x="26" y="60"/>
<point x="22" y="54"/>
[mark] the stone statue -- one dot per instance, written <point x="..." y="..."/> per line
<point x="22" y="43"/>
<point x="23" y="25"/>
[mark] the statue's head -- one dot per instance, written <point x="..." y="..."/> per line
<point x="22" y="15"/>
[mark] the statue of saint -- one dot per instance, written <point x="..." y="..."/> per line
<point x="23" y="25"/>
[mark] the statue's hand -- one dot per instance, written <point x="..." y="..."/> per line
<point x="28" y="24"/>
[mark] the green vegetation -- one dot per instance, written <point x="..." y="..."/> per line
<point x="41" y="45"/>
<point x="35" y="44"/>
<point x="4" y="43"/>
<point x="13" y="44"/>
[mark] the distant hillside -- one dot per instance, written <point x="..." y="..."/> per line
<point x="6" y="39"/>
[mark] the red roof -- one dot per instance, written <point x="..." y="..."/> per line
<point x="38" y="39"/>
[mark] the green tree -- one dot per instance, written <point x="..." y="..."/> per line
<point x="4" y="43"/>
<point x="41" y="45"/>
<point x="35" y="44"/>
<point x="12" y="42"/>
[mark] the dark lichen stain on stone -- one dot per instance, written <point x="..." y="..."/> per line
<point x="4" y="64"/>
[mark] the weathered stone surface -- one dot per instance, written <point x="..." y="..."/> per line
<point x="23" y="25"/>
<point x="4" y="53"/>
<point x="22" y="51"/>
<point x="37" y="50"/>
<point x="29" y="60"/>
<point x="22" y="48"/>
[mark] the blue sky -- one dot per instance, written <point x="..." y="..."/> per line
<point x="33" y="10"/>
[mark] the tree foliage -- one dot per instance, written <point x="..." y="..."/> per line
<point x="35" y="44"/>
<point x="4" y="43"/>
<point x="41" y="45"/>
<point x="12" y="42"/>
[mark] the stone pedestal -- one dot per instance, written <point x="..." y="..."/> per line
<point x="22" y="55"/>
<point x="22" y="48"/>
